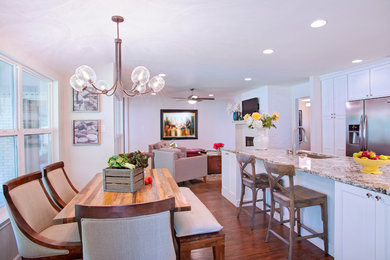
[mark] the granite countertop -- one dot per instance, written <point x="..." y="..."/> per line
<point x="340" y="168"/>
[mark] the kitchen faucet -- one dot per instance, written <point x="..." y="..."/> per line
<point x="294" y="148"/>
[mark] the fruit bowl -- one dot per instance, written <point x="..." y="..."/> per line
<point x="371" y="166"/>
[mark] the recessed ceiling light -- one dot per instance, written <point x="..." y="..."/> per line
<point x="268" y="51"/>
<point x="308" y="104"/>
<point x="211" y="95"/>
<point x="162" y="74"/>
<point x="248" y="79"/>
<point x="153" y="93"/>
<point x="318" y="23"/>
<point x="357" y="61"/>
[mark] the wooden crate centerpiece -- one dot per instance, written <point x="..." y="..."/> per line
<point x="123" y="180"/>
<point x="125" y="172"/>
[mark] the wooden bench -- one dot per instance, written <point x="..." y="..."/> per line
<point x="198" y="228"/>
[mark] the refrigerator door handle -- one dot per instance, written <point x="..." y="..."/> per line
<point x="361" y="137"/>
<point x="365" y="133"/>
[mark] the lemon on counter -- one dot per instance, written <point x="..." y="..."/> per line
<point x="383" y="157"/>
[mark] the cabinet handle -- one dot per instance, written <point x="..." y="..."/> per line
<point x="369" y="195"/>
<point x="378" y="197"/>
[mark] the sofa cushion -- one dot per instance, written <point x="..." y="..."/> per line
<point x="178" y="152"/>
<point x="198" y="220"/>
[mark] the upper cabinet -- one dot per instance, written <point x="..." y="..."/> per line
<point x="369" y="83"/>
<point x="359" y="85"/>
<point x="334" y="96"/>
<point x="380" y="81"/>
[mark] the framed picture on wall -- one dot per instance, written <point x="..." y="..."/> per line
<point x="86" y="132"/>
<point x="178" y="124"/>
<point x="85" y="102"/>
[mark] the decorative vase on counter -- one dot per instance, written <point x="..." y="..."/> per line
<point x="236" y="116"/>
<point x="261" y="141"/>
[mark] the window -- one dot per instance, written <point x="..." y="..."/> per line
<point x="25" y="136"/>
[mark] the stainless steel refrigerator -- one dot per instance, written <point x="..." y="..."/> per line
<point x="368" y="126"/>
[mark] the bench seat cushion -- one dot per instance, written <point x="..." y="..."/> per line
<point x="198" y="220"/>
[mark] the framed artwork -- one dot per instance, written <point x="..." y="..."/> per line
<point x="178" y="124"/>
<point x="300" y="124"/>
<point x="85" y="102"/>
<point x="86" y="132"/>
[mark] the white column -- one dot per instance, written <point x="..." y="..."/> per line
<point x="316" y="114"/>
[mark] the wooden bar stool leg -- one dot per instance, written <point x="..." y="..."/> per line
<point x="254" y="198"/>
<point x="291" y="238"/>
<point x="324" y="213"/>
<point x="270" y="220"/>
<point x="185" y="254"/>
<point x="264" y="200"/>
<point x="281" y="214"/>
<point x="241" y="199"/>
<point x="299" y="221"/>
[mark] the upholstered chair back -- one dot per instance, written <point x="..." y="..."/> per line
<point x="31" y="212"/>
<point x="33" y="204"/>
<point x="158" y="145"/>
<point x="128" y="232"/>
<point x="61" y="189"/>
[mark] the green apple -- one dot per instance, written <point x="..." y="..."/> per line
<point x="372" y="155"/>
<point x="356" y="155"/>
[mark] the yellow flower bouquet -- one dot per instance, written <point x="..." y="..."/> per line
<point x="264" y="120"/>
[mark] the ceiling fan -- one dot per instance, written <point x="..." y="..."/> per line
<point x="193" y="99"/>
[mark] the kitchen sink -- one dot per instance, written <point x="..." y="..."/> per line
<point x="315" y="155"/>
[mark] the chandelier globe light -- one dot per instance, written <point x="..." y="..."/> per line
<point x="85" y="77"/>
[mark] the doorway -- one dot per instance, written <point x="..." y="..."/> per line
<point x="303" y="142"/>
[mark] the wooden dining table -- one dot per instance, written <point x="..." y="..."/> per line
<point x="163" y="186"/>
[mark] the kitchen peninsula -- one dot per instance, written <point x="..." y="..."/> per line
<point x="358" y="203"/>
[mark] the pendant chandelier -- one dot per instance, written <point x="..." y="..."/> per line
<point x="85" y="77"/>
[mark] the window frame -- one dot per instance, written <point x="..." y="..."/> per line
<point x="18" y="131"/>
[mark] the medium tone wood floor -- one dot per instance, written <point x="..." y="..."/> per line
<point x="241" y="242"/>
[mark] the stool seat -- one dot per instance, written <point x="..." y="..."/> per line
<point x="260" y="179"/>
<point x="304" y="197"/>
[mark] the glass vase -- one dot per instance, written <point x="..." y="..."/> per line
<point x="261" y="141"/>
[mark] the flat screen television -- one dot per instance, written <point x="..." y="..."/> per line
<point x="250" y="105"/>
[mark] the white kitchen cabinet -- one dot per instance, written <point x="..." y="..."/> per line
<point x="359" y="85"/>
<point x="380" y="81"/>
<point x="229" y="176"/>
<point x="328" y="135"/>
<point x="361" y="223"/>
<point x="334" y="98"/>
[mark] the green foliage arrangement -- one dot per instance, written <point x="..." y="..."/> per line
<point x="130" y="161"/>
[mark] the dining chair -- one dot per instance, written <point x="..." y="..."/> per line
<point x="59" y="184"/>
<point x="31" y="213"/>
<point x="135" y="231"/>
<point x="255" y="182"/>
<point x="295" y="197"/>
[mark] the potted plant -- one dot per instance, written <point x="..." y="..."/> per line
<point x="125" y="172"/>
<point x="218" y="146"/>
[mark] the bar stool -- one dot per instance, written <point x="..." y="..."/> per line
<point x="294" y="198"/>
<point x="255" y="182"/>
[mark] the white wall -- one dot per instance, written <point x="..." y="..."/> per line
<point x="214" y="123"/>
<point x="305" y="124"/>
<point x="316" y="114"/>
<point x="83" y="162"/>
<point x="274" y="99"/>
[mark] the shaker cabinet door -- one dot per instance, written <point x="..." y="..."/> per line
<point x="382" y="226"/>
<point x="327" y="97"/>
<point x="340" y="86"/>
<point x="359" y="85"/>
<point x="355" y="223"/>
<point x="328" y="135"/>
<point x="380" y="81"/>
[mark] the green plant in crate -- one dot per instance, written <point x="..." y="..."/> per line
<point x="129" y="161"/>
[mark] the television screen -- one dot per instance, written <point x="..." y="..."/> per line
<point x="250" y="105"/>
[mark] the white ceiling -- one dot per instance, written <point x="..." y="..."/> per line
<point x="204" y="44"/>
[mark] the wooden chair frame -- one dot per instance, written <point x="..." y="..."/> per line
<point x="73" y="247"/>
<point x="46" y="171"/>
<point x="289" y="170"/>
<point x="243" y="161"/>
<point x="126" y="211"/>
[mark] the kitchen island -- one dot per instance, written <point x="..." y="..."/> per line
<point x="358" y="203"/>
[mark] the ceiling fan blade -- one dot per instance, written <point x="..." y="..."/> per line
<point x="206" y="99"/>
<point x="182" y="98"/>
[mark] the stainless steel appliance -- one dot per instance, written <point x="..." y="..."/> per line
<point x="368" y="126"/>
